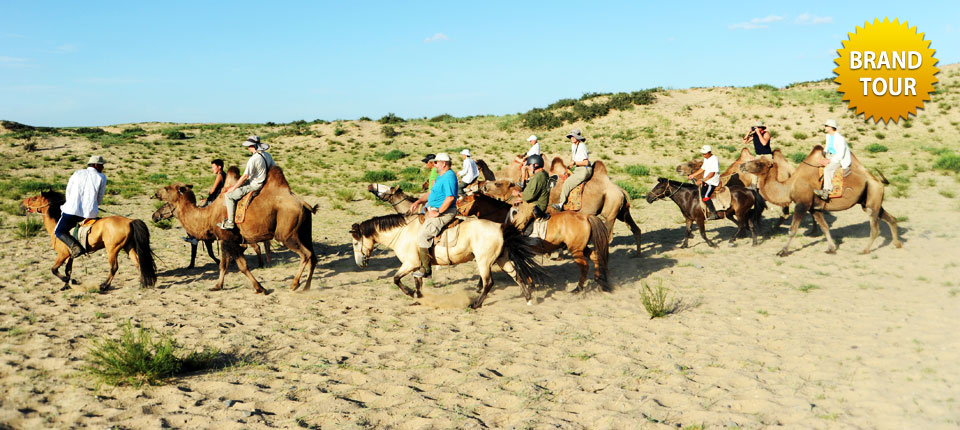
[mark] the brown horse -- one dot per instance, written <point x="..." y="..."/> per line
<point x="600" y="196"/>
<point x="484" y="207"/>
<point x="860" y="187"/>
<point x="275" y="214"/>
<point x="574" y="230"/>
<point x="167" y="211"/>
<point x="111" y="233"/>
<point x="747" y="207"/>
<point x="394" y="196"/>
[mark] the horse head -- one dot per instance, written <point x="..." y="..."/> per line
<point x="362" y="246"/>
<point x="660" y="191"/>
<point x="466" y="205"/>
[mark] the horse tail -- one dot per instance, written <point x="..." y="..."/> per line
<point x="600" y="236"/>
<point x="759" y="205"/>
<point x="521" y="251"/>
<point x="141" y="245"/>
<point x="883" y="179"/>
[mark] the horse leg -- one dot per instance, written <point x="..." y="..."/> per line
<point x="892" y="223"/>
<point x="753" y="230"/>
<point x="798" y="212"/>
<point x="634" y="228"/>
<point x="599" y="272"/>
<point x="132" y="253"/>
<point x="832" y="247"/>
<point x="487" y="281"/>
<point x="874" y="229"/>
<point x="403" y="271"/>
<point x="209" y="245"/>
<point x="581" y="261"/>
<point x="687" y="233"/>
<point x="701" y="222"/>
<point x="55" y="269"/>
<point x="114" y="265"/>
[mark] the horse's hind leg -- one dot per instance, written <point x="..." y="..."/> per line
<point x="112" y="252"/>
<point x="487" y="281"/>
<point x="581" y="261"/>
<point x="753" y="230"/>
<point x="687" y="233"/>
<point x="703" y="232"/>
<point x="507" y="266"/>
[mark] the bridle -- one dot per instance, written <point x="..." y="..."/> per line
<point x="664" y="194"/>
<point x="33" y="209"/>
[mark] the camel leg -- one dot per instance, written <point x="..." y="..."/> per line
<point x="294" y="245"/>
<point x="256" y="248"/>
<point x="225" y="258"/>
<point x="798" y="212"/>
<point x="209" y="245"/>
<point x="404" y="270"/>
<point x="266" y="251"/>
<point x="874" y="229"/>
<point x="242" y="265"/>
<point x="832" y="247"/>
<point x="114" y="265"/>
<point x="892" y="222"/>
<point x="703" y="232"/>
<point x="581" y="261"/>
<point x="687" y="232"/>
<point x="634" y="228"/>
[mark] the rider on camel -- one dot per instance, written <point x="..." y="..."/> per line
<point x="254" y="176"/>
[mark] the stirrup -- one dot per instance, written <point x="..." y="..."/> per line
<point x="557" y="206"/>
<point x="824" y="195"/>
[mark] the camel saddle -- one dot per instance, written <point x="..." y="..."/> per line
<point x="82" y="230"/>
<point x="448" y="233"/>
<point x="837" y="181"/>
<point x="243" y="204"/>
<point x="575" y="199"/>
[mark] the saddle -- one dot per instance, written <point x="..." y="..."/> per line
<point x="82" y="230"/>
<point x="537" y="228"/>
<point x="575" y="199"/>
<point x="837" y="181"/>
<point x="448" y="233"/>
<point x="243" y="204"/>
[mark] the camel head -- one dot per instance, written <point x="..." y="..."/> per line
<point x="173" y="193"/>
<point x="758" y="166"/>
<point x="689" y="167"/>
<point x="500" y="189"/>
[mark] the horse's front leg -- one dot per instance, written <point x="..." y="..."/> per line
<point x="703" y="231"/>
<point x="404" y="271"/>
<point x="687" y="233"/>
<point x="55" y="269"/>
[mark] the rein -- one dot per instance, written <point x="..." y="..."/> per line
<point x="35" y="208"/>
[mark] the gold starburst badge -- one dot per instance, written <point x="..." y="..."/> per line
<point x="886" y="70"/>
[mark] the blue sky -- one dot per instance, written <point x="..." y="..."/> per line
<point x="98" y="63"/>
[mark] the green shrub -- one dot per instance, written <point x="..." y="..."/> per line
<point x="364" y="118"/>
<point x="394" y="155"/>
<point x="132" y="132"/>
<point x="390" y="118"/>
<point x="562" y="103"/>
<point x="655" y="301"/>
<point x="174" y="134"/>
<point x="138" y="358"/>
<point x="409" y="187"/>
<point x="765" y="87"/>
<point x="633" y="191"/>
<point x="798" y="157"/>
<point x="164" y="224"/>
<point x="411" y="173"/>
<point x="378" y="176"/>
<point x="541" y="119"/>
<point x="949" y="162"/>
<point x="338" y="131"/>
<point x="880" y="135"/>
<point x="728" y="148"/>
<point x="345" y="194"/>
<point x="799" y="135"/>
<point x="388" y="132"/>
<point x="876" y="147"/>
<point x="12" y="209"/>
<point x="638" y="170"/>
<point x="589" y="111"/>
<point x="29" y="228"/>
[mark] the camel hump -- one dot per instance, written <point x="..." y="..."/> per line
<point x="599" y="168"/>
<point x="817" y="152"/>
<point x="745" y="154"/>
<point x="557" y="167"/>
<point x="275" y="177"/>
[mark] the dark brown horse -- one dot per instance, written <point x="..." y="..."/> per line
<point x="483" y="207"/>
<point x="113" y="233"/>
<point x="746" y="208"/>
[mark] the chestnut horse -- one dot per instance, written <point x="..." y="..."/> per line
<point x="111" y="233"/>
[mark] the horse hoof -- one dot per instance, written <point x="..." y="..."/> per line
<point x="834" y="251"/>
<point x="529" y="303"/>
<point x="216" y="288"/>
<point x="65" y="287"/>
<point x="419" y="295"/>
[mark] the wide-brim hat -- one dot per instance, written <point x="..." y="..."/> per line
<point x="706" y="149"/>
<point x="759" y="124"/>
<point x="428" y="158"/>
<point x="831" y="123"/>
<point x="575" y="133"/>
<point x="442" y="156"/>
<point x="465" y="152"/>
<point x="252" y="141"/>
<point x="532" y="138"/>
<point x="96" y="159"/>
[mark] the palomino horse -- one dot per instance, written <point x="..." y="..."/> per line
<point x="275" y="214"/>
<point x="111" y="233"/>
<point x="484" y="241"/>
<point x="167" y="211"/>
<point x="744" y="204"/>
<point x="573" y="230"/>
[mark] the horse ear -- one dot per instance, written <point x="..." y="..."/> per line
<point x="182" y="189"/>
<point x="661" y="179"/>
<point x="355" y="231"/>
<point x="190" y="186"/>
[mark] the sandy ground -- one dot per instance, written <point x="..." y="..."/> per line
<point x="806" y="341"/>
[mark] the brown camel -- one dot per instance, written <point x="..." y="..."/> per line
<point x="600" y="196"/>
<point x="860" y="187"/>
<point x="167" y="211"/>
<point x="114" y="233"/>
<point x="512" y="172"/>
<point x="275" y="214"/>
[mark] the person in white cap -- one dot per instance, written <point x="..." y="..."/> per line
<point x="521" y="160"/>
<point x="581" y="165"/>
<point x="85" y="191"/>
<point x="253" y="178"/>
<point x="469" y="173"/>
<point x="837" y="155"/>
<point x="441" y="209"/>
<point x="711" y="179"/>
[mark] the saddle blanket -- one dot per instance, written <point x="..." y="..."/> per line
<point x="538" y="229"/>
<point x="575" y="199"/>
<point x="242" y="206"/>
<point x="837" y="181"/>
<point x="82" y="231"/>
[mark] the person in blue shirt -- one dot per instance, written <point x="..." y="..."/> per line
<point x="441" y="209"/>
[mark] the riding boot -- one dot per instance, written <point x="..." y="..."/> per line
<point x="823" y="194"/>
<point x="72" y="244"/>
<point x="711" y="211"/>
<point x="425" y="264"/>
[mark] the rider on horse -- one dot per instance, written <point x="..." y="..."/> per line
<point x="254" y="176"/>
<point x="581" y="165"/>
<point x="537" y="190"/>
<point x="85" y="192"/>
<point x="710" y="169"/>
<point x="441" y="210"/>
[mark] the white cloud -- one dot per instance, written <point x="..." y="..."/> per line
<point x="66" y="48"/>
<point x="808" y="19"/>
<point x="436" y="38"/>
<point x="14" y="62"/>
<point x="756" y="23"/>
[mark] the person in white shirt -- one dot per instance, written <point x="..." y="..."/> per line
<point x="711" y="179"/>
<point x="253" y="178"/>
<point x="85" y="192"/>
<point x="581" y="165"/>
<point x="469" y="173"/>
<point x="837" y="155"/>
<point x="521" y="160"/>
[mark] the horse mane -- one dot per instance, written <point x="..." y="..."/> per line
<point x="380" y="223"/>
<point x="599" y="168"/>
<point x="677" y="183"/>
<point x="56" y="199"/>
<point x="492" y="200"/>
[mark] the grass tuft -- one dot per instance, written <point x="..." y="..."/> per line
<point x="949" y="162"/>
<point x="655" y="301"/>
<point x="876" y="147"/>
<point x="29" y="228"/>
